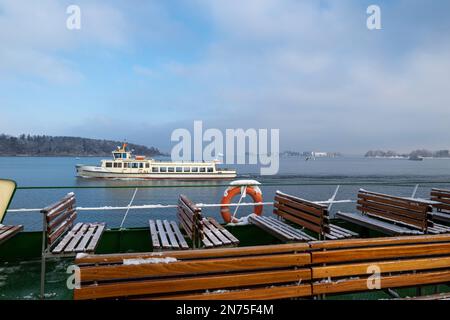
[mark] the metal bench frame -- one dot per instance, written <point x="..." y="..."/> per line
<point x="58" y="220"/>
<point x="204" y="232"/>
<point x="393" y="215"/>
<point x="309" y="215"/>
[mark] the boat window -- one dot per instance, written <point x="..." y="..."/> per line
<point x="179" y="169"/>
<point x="154" y="169"/>
<point x="187" y="169"/>
<point x="124" y="155"/>
<point x="163" y="169"/>
<point x="135" y="165"/>
<point x="141" y="165"/>
<point x="202" y="169"/>
<point x="210" y="169"/>
<point x="125" y="165"/>
<point x="195" y="169"/>
<point x="117" y="165"/>
<point x="109" y="164"/>
<point x="171" y="169"/>
<point x="147" y="165"/>
<point x="116" y="155"/>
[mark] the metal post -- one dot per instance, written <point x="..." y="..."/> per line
<point x="43" y="254"/>
<point x="415" y="191"/>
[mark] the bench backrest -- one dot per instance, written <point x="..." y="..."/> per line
<point x="307" y="214"/>
<point x="268" y="272"/>
<point x="350" y="265"/>
<point x="190" y="218"/>
<point x="409" y="212"/>
<point x="234" y="273"/>
<point x="59" y="218"/>
<point x="442" y="196"/>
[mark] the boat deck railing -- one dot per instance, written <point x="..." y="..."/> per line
<point x="409" y="189"/>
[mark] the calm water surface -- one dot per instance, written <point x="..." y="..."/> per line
<point x="318" y="180"/>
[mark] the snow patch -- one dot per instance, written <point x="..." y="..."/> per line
<point x="241" y="221"/>
<point x="130" y="262"/>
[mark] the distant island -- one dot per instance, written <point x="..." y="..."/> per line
<point x="310" y="154"/>
<point x="422" y="153"/>
<point x="37" y="145"/>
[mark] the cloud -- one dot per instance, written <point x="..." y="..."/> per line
<point x="36" y="43"/>
<point x="143" y="71"/>
<point x="310" y="68"/>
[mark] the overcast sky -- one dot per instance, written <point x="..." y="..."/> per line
<point x="137" y="70"/>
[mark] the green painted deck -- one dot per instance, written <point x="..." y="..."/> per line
<point x="20" y="263"/>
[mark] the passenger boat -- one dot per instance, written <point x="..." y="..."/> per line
<point x="124" y="165"/>
<point x="308" y="255"/>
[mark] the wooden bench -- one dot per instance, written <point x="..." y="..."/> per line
<point x="306" y="214"/>
<point x="204" y="232"/>
<point x="7" y="232"/>
<point x="348" y="266"/>
<point x="297" y="270"/>
<point x="7" y="190"/>
<point x="265" y="272"/>
<point x="443" y="206"/>
<point x="392" y="215"/>
<point x="61" y="237"/>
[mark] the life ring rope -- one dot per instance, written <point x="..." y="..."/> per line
<point x="242" y="188"/>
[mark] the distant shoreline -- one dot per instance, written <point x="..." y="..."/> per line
<point x="66" y="156"/>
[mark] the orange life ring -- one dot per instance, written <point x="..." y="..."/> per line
<point x="231" y="192"/>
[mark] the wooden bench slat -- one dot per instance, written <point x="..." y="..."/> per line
<point x="375" y="224"/>
<point x="441" y="217"/>
<point x="81" y="247"/>
<point x="95" y="238"/>
<point x="76" y="238"/>
<point x="65" y="226"/>
<point x="286" y="228"/>
<point x="209" y="236"/>
<point x="154" y="234"/>
<point x="217" y="233"/>
<point x="280" y="234"/>
<point x="301" y="222"/>
<point x="181" y="240"/>
<point x="271" y="293"/>
<point x="197" y="254"/>
<point x="351" y="233"/>
<point x="105" y="272"/>
<point x="385" y="267"/>
<point x="411" y="223"/>
<point x="191" y="284"/>
<point x="397" y="281"/>
<point x="173" y="240"/>
<point x="7" y="232"/>
<point x="413" y="204"/>
<point x="378" y="242"/>
<point x="162" y="235"/>
<point x="280" y="230"/>
<point x="224" y="231"/>
<point x="298" y="214"/>
<point x="347" y="255"/>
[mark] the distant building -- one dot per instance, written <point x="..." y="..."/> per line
<point x="319" y="154"/>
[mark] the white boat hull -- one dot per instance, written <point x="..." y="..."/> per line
<point x="100" y="172"/>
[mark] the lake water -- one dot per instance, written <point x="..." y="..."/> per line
<point x="314" y="180"/>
